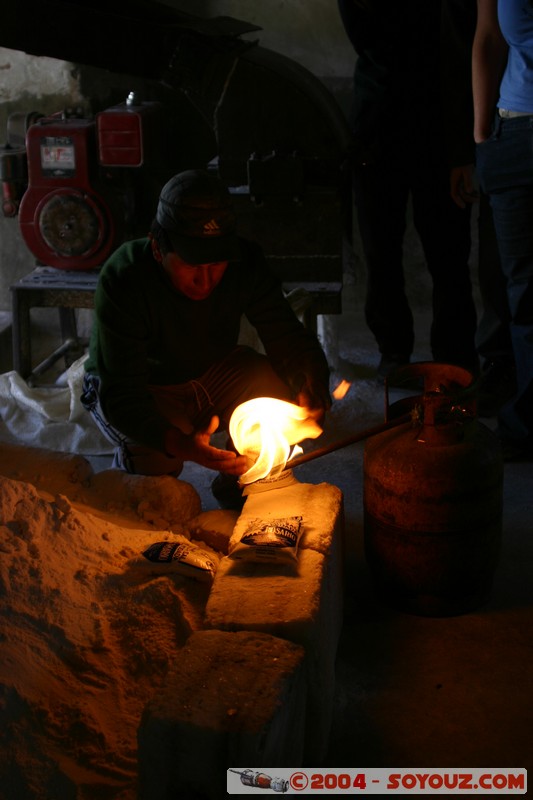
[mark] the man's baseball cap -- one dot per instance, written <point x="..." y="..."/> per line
<point x="195" y="210"/>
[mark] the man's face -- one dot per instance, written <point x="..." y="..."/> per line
<point x="195" y="281"/>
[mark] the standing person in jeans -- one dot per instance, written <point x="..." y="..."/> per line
<point x="497" y="381"/>
<point x="398" y="125"/>
<point x="503" y="130"/>
<point x="165" y="369"/>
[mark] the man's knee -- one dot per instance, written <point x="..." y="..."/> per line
<point x="260" y="379"/>
<point x="243" y="376"/>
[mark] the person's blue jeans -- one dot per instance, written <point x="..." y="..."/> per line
<point x="493" y="337"/>
<point x="505" y="169"/>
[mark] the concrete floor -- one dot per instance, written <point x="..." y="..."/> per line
<point x="416" y="691"/>
<point x="431" y="692"/>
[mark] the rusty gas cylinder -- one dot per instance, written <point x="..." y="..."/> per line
<point x="433" y="499"/>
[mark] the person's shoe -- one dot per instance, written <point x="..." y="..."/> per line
<point x="497" y="384"/>
<point x="226" y="489"/>
<point x="388" y="365"/>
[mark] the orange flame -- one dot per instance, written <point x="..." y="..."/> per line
<point x="264" y="429"/>
<point x="341" y="390"/>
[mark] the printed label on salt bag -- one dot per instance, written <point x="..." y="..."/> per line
<point x="274" y="540"/>
<point x="182" y="557"/>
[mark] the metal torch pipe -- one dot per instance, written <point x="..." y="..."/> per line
<point x="357" y="437"/>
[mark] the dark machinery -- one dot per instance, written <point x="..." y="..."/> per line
<point x="271" y="130"/>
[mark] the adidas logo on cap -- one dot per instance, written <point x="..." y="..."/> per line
<point x="211" y="228"/>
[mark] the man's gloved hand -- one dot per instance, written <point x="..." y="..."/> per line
<point x="195" y="447"/>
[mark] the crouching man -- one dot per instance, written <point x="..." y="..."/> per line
<point x="165" y="370"/>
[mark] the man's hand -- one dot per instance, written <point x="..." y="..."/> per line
<point x="195" y="447"/>
<point x="315" y="397"/>
<point x="462" y="188"/>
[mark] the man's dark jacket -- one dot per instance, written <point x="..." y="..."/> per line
<point x="146" y="332"/>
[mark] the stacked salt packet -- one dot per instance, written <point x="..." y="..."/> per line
<point x="183" y="557"/>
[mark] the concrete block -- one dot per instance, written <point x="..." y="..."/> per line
<point x="301" y="603"/>
<point x="214" y="528"/>
<point x="233" y="700"/>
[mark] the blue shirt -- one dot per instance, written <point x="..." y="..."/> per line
<point x="516" y="23"/>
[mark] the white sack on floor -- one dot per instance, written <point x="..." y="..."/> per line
<point x="53" y="417"/>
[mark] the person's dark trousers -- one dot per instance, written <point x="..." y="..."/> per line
<point x="381" y="193"/>
<point x="505" y="169"/>
<point x="242" y="375"/>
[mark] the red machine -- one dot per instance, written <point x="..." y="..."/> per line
<point x="78" y="203"/>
